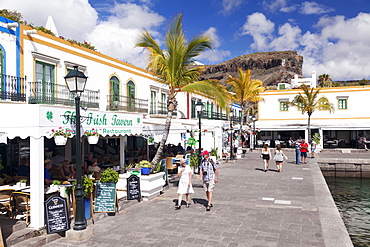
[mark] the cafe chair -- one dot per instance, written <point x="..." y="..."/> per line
<point x="7" y="179"/>
<point x="21" y="205"/>
<point x="19" y="178"/>
<point x="260" y="143"/>
<point x="5" y="201"/>
<point x="170" y="165"/>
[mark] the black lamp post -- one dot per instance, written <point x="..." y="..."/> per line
<point x="199" y="107"/>
<point x="231" y="135"/>
<point x="76" y="82"/>
<point x="254" y="119"/>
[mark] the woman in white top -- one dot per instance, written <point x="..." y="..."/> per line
<point x="185" y="186"/>
<point x="265" y="155"/>
<point x="279" y="158"/>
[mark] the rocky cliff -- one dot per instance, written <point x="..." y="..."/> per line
<point x="269" y="67"/>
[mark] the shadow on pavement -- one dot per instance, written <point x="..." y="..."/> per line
<point x="200" y="201"/>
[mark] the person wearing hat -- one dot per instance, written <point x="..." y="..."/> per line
<point x="47" y="177"/>
<point x="185" y="186"/>
<point x="208" y="173"/>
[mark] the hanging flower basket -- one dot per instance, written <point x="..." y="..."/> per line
<point x="60" y="140"/>
<point x="93" y="139"/>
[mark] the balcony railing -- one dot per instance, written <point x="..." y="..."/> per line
<point x="123" y="103"/>
<point x="12" y="88"/>
<point x="212" y="116"/>
<point x="160" y="108"/>
<point x="55" y="94"/>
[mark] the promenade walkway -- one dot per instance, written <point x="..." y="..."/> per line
<point x="251" y="208"/>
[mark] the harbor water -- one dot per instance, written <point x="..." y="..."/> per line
<point x="352" y="197"/>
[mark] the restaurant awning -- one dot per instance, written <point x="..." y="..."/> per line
<point x="36" y="121"/>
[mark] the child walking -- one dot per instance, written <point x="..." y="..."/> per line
<point x="279" y="158"/>
<point x="265" y="155"/>
<point x="185" y="186"/>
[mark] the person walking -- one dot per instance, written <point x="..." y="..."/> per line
<point x="185" y="184"/>
<point x="265" y="155"/>
<point x="279" y="158"/>
<point x="313" y="148"/>
<point x="297" y="147"/>
<point x="208" y="173"/>
<point x="304" y="150"/>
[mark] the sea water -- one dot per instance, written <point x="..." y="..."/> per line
<point x="352" y="197"/>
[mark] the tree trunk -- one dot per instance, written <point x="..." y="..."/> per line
<point x="171" y="106"/>
<point x="309" y="127"/>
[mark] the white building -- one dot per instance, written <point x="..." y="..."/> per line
<point x="126" y="104"/>
<point x="349" y="121"/>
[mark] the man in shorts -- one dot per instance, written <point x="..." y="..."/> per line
<point x="208" y="173"/>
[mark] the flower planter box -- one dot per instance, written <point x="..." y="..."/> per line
<point x="93" y="140"/>
<point x="60" y="140"/>
<point x="152" y="185"/>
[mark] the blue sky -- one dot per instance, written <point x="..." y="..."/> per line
<point x="333" y="36"/>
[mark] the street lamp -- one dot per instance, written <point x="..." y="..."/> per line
<point x="254" y="119"/>
<point x="199" y="107"/>
<point x="76" y="82"/>
<point x="231" y="135"/>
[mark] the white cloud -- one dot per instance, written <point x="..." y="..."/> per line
<point x="340" y="48"/>
<point x="70" y="16"/>
<point x="288" y="39"/>
<point x="278" y="5"/>
<point x="117" y="36"/>
<point x="260" y="29"/>
<point x="215" y="55"/>
<point x="309" y="8"/>
<point x="229" y="6"/>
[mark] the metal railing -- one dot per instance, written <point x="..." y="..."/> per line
<point x="160" y="108"/>
<point x="124" y="103"/>
<point x="12" y="88"/>
<point x="213" y="116"/>
<point x="55" y="94"/>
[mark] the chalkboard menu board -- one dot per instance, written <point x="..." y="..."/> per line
<point x="133" y="188"/>
<point x="105" y="197"/>
<point x="56" y="214"/>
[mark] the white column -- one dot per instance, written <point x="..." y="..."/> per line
<point x="306" y="137"/>
<point x="122" y="151"/>
<point x="321" y="145"/>
<point x="37" y="182"/>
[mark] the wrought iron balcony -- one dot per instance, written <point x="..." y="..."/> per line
<point x="12" y="88"/>
<point x="55" y="94"/>
<point x="212" y="115"/>
<point x="128" y="104"/>
<point x="160" y="108"/>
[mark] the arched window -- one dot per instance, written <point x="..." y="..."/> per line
<point x="131" y="94"/>
<point x="114" y="89"/>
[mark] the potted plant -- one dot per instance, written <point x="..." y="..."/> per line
<point x="194" y="162"/>
<point x="92" y="136"/>
<point x="60" y="135"/>
<point x="145" y="167"/>
<point x="23" y="183"/>
<point x="213" y="154"/>
<point x="109" y="176"/>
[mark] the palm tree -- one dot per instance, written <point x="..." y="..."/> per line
<point x="308" y="102"/>
<point x="173" y="67"/>
<point x="325" y="80"/>
<point x="247" y="90"/>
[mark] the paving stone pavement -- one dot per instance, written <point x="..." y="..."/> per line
<point x="251" y="208"/>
